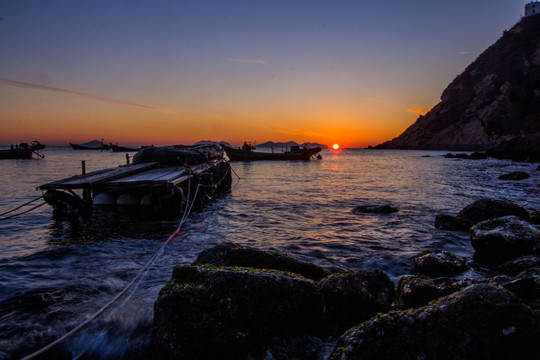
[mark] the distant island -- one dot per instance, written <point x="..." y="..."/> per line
<point x="279" y="145"/>
<point x="494" y="101"/>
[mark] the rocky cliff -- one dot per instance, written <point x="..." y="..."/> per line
<point x="496" y="98"/>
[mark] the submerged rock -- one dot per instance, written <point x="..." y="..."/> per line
<point x="375" y="209"/>
<point x="485" y="209"/>
<point x="352" y="297"/>
<point x="208" y="312"/>
<point x="436" y="263"/>
<point x="479" y="322"/>
<point x="454" y="223"/>
<point x="230" y="254"/>
<point x="515" y="175"/>
<point x="502" y="239"/>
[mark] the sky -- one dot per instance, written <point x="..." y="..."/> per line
<point x="157" y="72"/>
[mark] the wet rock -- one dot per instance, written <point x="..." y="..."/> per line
<point x="374" y="209"/>
<point x="478" y="322"/>
<point x="526" y="285"/>
<point x="436" y="263"/>
<point x="474" y="156"/>
<point x="416" y="291"/>
<point x="453" y="223"/>
<point x="515" y="266"/>
<point x="207" y="312"/>
<point x="229" y="254"/>
<point x="515" y="175"/>
<point x="485" y="209"/>
<point x="502" y="239"/>
<point x="352" y="297"/>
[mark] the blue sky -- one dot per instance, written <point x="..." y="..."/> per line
<point x="355" y="72"/>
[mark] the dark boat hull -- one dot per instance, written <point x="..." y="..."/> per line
<point x="117" y="148"/>
<point x="16" y="154"/>
<point x="81" y="147"/>
<point x="242" y="155"/>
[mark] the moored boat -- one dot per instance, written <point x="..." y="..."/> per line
<point x="118" y="148"/>
<point x="22" y="151"/>
<point x="246" y="153"/>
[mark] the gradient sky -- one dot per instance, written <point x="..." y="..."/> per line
<point x="175" y="72"/>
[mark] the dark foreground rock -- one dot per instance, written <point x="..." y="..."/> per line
<point x="515" y="175"/>
<point x="230" y="254"/>
<point x="207" y="312"/>
<point x="415" y="291"/>
<point x="479" y="322"/>
<point x="515" y="266"/>
<point x="352" y="297"/>
<point x="453" y="223"/>
<point x="375" y="209"/>
<point x="505" y="238"/>
<point x="485" y="209"/>
<point x="436" y="263"/>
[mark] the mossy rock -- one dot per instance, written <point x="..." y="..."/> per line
<point x="230" y="254"/>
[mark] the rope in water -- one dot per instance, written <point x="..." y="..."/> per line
<point x="137" y="279"/>
<point x="21" y="213"/>
<point x="20" y="206"/>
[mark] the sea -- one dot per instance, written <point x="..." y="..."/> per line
<point x="57" y="271"/>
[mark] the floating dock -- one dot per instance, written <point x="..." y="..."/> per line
<point x="181" y="174"/>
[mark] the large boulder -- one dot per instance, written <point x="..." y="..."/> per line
<point x="230" y="254"/>
<point x="208" y="312"/>
<point x="515" y="266"/>
<point x="352" y="297"/>
<point x="436" y="263"/>
<point x="502" y="239"/>
<point x="485" y="209"/>
<point x="479" y="322"/>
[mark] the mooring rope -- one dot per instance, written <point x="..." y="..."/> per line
<point x="137" y="279"/>
<point x="21" y="213"/>
<point x="20" y="206"/>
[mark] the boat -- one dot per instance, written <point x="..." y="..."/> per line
<point x="22" y="151"/>
<point x="246" y="153"/>
<point x="159" y="179"/>
<point x="92" y="145"/>
<point x="118" y="148"/>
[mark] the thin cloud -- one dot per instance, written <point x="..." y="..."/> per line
<point x="417" y="110"/>
<point x="247" y="61"/>
<point x="49" y="89"/>
<point x="464" y="52"/>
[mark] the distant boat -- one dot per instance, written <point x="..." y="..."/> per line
<point x="22" y="151"/>
<point x="246" y="153"/>
<point x="117" y="148"/>
<point x="92" y="145"/>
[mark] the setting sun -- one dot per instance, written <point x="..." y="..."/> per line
<point x="335" y="146"/>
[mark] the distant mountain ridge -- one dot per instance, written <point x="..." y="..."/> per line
<point x="496" y="98"/>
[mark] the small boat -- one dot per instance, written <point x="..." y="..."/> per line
<point x="118" y="148"/>
<point x="22" y="151"/>
<point x="246" y="153"/>
<point x="92" y="145"/>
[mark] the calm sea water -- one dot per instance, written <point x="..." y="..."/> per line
<point x="77" y="264"/>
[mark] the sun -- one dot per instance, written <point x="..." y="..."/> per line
<point x="335" y="146"/>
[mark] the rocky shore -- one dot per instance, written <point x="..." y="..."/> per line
<point x="236" y="302"/>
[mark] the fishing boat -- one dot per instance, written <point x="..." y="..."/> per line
<point x="22" y="151"/>
<point x="118" y="148"/>
<point x="159" y="178"/>
<point x="92" y="145"/>
<point x="246" y="153"/>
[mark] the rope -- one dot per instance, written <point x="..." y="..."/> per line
<point x="137" y="278"/>
<point x="21" y="213"/>
<point x="20" y="206"/>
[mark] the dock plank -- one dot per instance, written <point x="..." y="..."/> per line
<point x="97" y="177"/>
